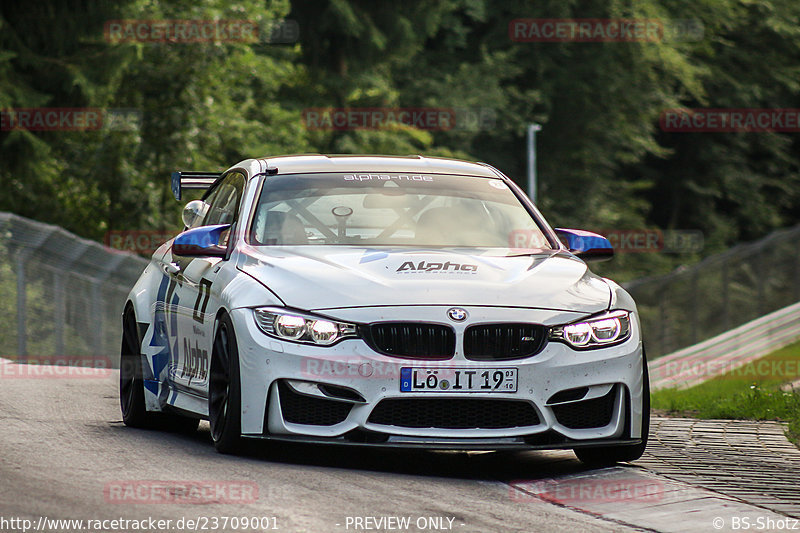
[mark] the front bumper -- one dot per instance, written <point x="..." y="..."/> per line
<point x="275" y="372"/>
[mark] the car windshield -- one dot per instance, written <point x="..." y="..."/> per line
<point x="391" y="209"/>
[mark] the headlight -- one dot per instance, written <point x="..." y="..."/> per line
<point x="300" y="327"/>
<point x="609" y="328"/>
<point x="289" y="326"/>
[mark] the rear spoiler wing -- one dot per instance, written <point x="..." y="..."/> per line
<point x="192" y="180"/>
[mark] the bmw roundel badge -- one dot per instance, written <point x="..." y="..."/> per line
<point x="457" y="314"/>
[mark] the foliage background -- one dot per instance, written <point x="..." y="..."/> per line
<point x="603" y="161"/>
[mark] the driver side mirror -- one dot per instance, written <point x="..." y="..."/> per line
<point x="586" y="245"/>
<point x="201" y="242"/>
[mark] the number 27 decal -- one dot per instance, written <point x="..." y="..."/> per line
<point x="203" y="294"/>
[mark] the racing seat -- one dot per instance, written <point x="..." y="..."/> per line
<point x="280" y="228"/>
<point x="454" y="226"/>
<point x="436" y="226"/>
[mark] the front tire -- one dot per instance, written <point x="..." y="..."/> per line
<point x="609" y="455"/>
<point x="224" y="391"/>
<point x="131" y="382"/>
<point x="131" y="386"/>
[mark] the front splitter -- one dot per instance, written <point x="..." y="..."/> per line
<point x="494" y="444"/>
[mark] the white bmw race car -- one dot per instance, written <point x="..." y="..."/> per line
<point x="382" y="301"/>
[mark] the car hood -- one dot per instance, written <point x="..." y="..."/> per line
<point x="330" y="277"/>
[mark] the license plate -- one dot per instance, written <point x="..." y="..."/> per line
<point x="458" y="379"/>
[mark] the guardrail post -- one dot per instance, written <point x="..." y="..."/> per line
<point x="796" y="284"/>
<point x="760" y="274"/>
<point x="22" y="335"/>
<point x="96" y="311"/>
<point x="694" y="312"/>
<point x="726" y="317"/>
<point x="59" y="311"/>
<point x="662" y="313"/>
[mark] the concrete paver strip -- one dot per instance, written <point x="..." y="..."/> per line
<point x="638" y="498"/>
<point x="750" y="461"/>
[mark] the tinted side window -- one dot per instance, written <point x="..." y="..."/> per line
<point x="224" y="200"/>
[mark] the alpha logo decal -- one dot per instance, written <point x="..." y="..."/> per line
<point x="448" y="267"/>
<point x="195" y="361"/>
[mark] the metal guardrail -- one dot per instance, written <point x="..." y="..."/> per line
<point x="60" y="294"/>
<point x="717" y="294"/>
<point x="728" y="351"/>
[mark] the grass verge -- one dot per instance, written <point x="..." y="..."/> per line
<point x="750" y="392"/>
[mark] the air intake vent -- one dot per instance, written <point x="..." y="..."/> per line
<point x="594" y="413"/>
<point x="411" y="340"/>
<point x="302" y="409"/>
<point x="454" y="413"/>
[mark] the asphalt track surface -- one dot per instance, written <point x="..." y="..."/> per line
<point x="65" y="454"/>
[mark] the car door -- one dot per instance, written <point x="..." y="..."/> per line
<point x="195" y="292"/>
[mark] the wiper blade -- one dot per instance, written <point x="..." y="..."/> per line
<point x="531" y="253"/>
